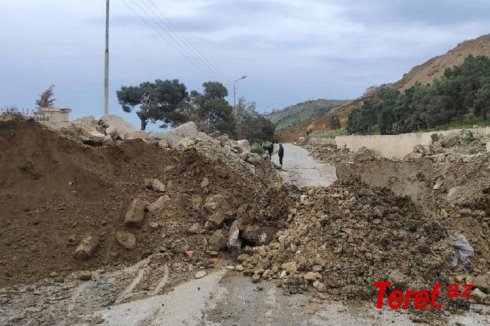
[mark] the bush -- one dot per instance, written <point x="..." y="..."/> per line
<point x="257" y="149"/>
<point x="467" y="137"/>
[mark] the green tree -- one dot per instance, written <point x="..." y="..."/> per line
<point x="160" y="101"/>
<point x="210" y="110"/>
<point x="482" y="100"/>
<point x="251" y="125"/>
<point x="334" y="122"/>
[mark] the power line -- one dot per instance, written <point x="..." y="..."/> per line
<point x="157" y="30"/>
<point x="181" y="37"/>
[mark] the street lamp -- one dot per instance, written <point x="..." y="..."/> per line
<point x="234" y="89"/>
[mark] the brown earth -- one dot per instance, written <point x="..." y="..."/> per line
<point x="424" y="74"/>
<point x="54" y="191"/>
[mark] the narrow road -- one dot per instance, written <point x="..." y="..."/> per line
<point x="301" y="169"/>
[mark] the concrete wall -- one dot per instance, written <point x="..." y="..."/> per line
<point x="392" y="146"/>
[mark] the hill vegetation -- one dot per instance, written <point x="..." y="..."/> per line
<point x="463" y="92"/>
<point x="423" y="74"/>
<point x="305" y="111"/>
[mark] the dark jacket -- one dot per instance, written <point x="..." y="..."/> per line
<point x="281" y="151"/>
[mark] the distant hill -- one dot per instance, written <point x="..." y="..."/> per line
<point x="305" y="111"/>
<point x="424" y="74"/>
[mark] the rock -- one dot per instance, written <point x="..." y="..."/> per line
<point x="112" y="131"/>
<point x="451" y="140"/>
<point x="87" y="247"/>
<point x="140" y="134"/>
<point x="259" y="235"/>
<point x="239" y="268"/>
<point x="186" y="143"/>
<point x="175" y="135"/>
<point x="136" y="213"/>
<point x="180" y="246"/>
<point x="196" y="201"/>
<point x="256" y="278"/>
<point x="213" y="202"/>
<point x="200" y="274"/>
<point x="398" y="279"/>
<point x="438" y="185"/>
<point x="482" y="282"/>
<point x="126" y="239"/>
<point x="196" y="228"/>
<point x="204" y="183"/>
<point x="244" y="146"/>
<point x="154" y="225"/>
<point x="478" y="295"/>
<point x="321" y="287"/>
<point x="434" y="138"/>
<point x="234" y="241"/>
<point x="163" y="143"/>
<point x="155" y="184"/>
<point x="216" y="219"/>
<point x="487" y="146"/>
<point x="312" y="276"/>
<point x="290" y="267"/>
<point x="85" y="275"/>
<point x="118" y="125"/>
<point x="218" y="241"/>
<point x="254" y="159"/>
<point x="158" y="204"/>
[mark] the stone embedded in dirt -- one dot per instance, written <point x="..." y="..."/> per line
<point x="256" y="278"/>
<point x="478" y="295"/>
<point x="186" y="143"/>
<point x="290" y="267"/>
<point x="196" y="228"/>
<point x="87" y="247"/>
<point x="163" y="143"/>
<point x="451" y="141"/>
<point x="158" y="204"/>
<point x="258" y="235"/>
<point x="180" y="246"/>
<point x="85" y="275"/>
<point x="218" y="241"/>
<point x="126" y="239"/>
<point x="136" y="213"/>
<point x="234" y="241"/>
<point x="175" y="135"/>
<point x="312" y="276"/>
<point x="154" y="184"/>
<point x="216" y="219"/>
<point x="196" y="201"/>
<point x="204" y="183"/>
<point x="200" y="274"/>
<point x="482" y="282"/>
<point x="213" y="202"/>
<point x="254" y="159"/>
<point x="244" y="146"/>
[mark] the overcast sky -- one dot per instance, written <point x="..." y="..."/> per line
<point x="291" y="50"/>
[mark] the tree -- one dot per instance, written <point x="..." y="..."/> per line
<point x="162" y="101"/>
<point x="334" y="122"/>
<point x="482" y="100"/>
<point x="251" y="125"/>
<point x="210" y="110"/>
<point x="46" y="99"/>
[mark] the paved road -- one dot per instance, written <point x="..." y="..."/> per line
<point x="302" y="170"/>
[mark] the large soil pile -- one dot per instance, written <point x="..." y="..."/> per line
<point x="55" y="191"/>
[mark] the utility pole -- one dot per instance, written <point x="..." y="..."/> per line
<point x="106" y="72"/>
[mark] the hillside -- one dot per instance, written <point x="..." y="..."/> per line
<point x="424" y="73"/>
<point x="305" y="111"/>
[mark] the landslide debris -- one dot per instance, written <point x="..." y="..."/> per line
<point x="69" y="204"/>
<point x="342" y="239"/>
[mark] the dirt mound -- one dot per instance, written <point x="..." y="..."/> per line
<point x="343" y="239"/>
<point x="55" y="191"/>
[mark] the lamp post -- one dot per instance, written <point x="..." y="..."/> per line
<point x="234" y="90"/>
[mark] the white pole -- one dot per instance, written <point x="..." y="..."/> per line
<point x="106" y="72"/>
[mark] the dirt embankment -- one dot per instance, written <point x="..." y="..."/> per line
<point x="55" y="191"/>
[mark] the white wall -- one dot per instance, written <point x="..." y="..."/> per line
<point x="392" y="146"/>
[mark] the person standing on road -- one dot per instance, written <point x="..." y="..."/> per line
<point x="281" y="153"/>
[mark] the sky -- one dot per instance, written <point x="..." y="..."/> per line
<point x="290" y="50"/>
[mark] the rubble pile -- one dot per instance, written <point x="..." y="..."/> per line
<point x="68" y="205"/>
<point x="342" y="239"/>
